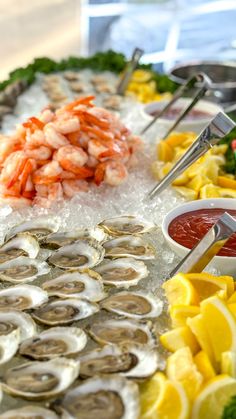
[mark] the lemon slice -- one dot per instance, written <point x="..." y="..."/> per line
<point x="232" y="299"/>
<point x="198" y="182"/>
<point x="212" y="399"/>
<point x="220" y="324"/>
<point x="179" y="138"/>
<point x="209" y="191"/>
<point x="198" y="328"/>
<point x="180" y="313"/>
<point x="141" y="76"/>
<point x="232" y="308"/>
<point x="159" y="395"/>
<point x="179" y="290"/>
<point x="187" y="193"/>
<point x="226" y="182"/>
<point x="206" y="285"/>
<point x="164" y="151"/>
<point x="181" y="368"/>
<point x="181" y="180"/>
<point x="204" y="365"/>
<point x="178" y="338"/>
<point x="228" y="363"/>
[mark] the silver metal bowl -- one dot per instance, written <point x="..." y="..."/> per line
<point x="222" y="74"/>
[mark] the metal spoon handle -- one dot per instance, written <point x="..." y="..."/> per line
<point x="199" y="257"/>
<point x="131" y="66"/>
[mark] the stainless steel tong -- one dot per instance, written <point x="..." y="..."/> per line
<point x="208" y="247"/>
<point x="190" y="83"/>
<point x="131" y="66"/>
<point x="220" y="126"/>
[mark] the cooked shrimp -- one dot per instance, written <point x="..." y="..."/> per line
<point x="111" y="172"/>
<point x="8" y="146"/>
<point x="95" y="148"/>
<point x="72" y="187"/>
<point x="73" y="159"/>
<point x="35" y="139"/>
<point x="135" y="143"/>
<point x="40" y="153"/>
<point x="92" y="162"/>
<point x="47" y="116"/>
<point x="54" y="138"/>
<point x="13" y="167"/>
<point x="66" y="126"/>
<point x="49" y="173"/>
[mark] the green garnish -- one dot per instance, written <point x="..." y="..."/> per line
<point x="230" y="409"/>
<point x="230" y="155"/>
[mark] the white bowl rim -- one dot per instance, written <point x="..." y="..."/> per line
<point x="192" y="206"/>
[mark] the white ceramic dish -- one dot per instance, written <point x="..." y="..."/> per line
<point x="226" y="265"/>
<point x="195" y="125"/>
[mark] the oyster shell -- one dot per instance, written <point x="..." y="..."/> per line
<point x="8" y="345"/>
<point x="61" y="312"/>
<point x="11" y="319"/>
<point x="134" y="360"/>
<point x="110" y="397"/>
<point x="122" y="272"/>
<point x="22" y="270"/>
<point x="21" y="245"/>
<point x="41" y="380"/>
<point x="57" y="341"/>
<point x="31" y="412"/>
<point x="132" y="246"/>
<point x="122" y="331"/>
<point x="136" y="304"/>
<point x="57" y="240"/>
<point x="126" y="224"/>
<point x="86" y="285"/>
<point x="22" y="297"/>
<point x="79" y="255"/>
<point x="39" y="227"/>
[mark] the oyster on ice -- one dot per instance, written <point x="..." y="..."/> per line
<point x="122" y="272"/>
<point x="131" y="360"/>
<point x="57" y="341"/>
<point x="62" y="312"/>
<point x="39" y="227"/>
<point x="110" y="397"/>
<point x="11" y="319"/>
<point x="22" y="244"/>
<point x="22" y="270"/>
<point x="79" y="255"/>
<point x="8" y="345"/>
<point x="41" y="380"/>
<point x="136" y="304"/>
<point x="60" y="239"/>
<point x="126" y="224"/>
<point x="77" y="284"/>
<point x="129" y="246"/>
<point x="30" y="412"/>
<point x="122" y="331"/>
<point x="22" y="297"/>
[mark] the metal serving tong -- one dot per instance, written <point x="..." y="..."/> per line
<point x="131" y="66"/>
<point x="208" y="247"/>
<point x="220" y="126"/>
<point x="190" y="83"/>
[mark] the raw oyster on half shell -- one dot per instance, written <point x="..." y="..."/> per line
<point x="126" y="224"/>
<point x="57" y="341"/>
<point x="30" y="412"/>
<point x="22" y="270"/>
<point x="11" y="319"/>
<point x="129" y="246"/>
<point x="122" y="272"/>
<point x="60" y="239"/>
<point x="22" y="297"/>
<point x="39" y="227"/>
<point x="21" y="245"/>
<point x="9" y="345"/>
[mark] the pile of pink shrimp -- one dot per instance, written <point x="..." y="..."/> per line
<point x="60" y="153"/>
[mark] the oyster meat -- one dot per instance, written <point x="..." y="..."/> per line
<point x="86" y="285"/>
<point x="30" y="412"/>
<point x="11" y="319"/>
<point x="8" y="345"/>
<point x="22" y="270"/>
<point x="39" y="227"/>
<point x="122" y="331"/>
<point x="62" y="312"/>
<point x="136" y="304"/>
<point x="22" y="297"/>
<point x="79" y="255"/>
<point x="122" y="272"/>
<point x="21" y="245"/>
<point x="41" y="380"/>
<point x="129" y="246"/>
<point x="110" y="397"/>
<point x="57" y="341"/>
<point x="126" y="224"/>
<point x="60" y="239"/>
<point x="131" y="360"/>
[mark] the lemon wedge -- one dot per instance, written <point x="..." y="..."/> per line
<point x="209" y="191"/>
<point x="228" y="363"/>
<point x="206" y="285"/>
<point x="180" y="313"/>
<point x="220" y="324"/>
<point x="211" y="401"/>
<point x="198" y="328"/>
<point x="226" y="182"/>
<point x="179" y="290"/>
<point x="187" y="193"/>
<point x="178" y="338"/>
<point x="181" y="368"/>
<point x="179" y="138"/>
<point x="151" y="392"/>
<point x="204" y="365"/>
<point x="164" y="151"/>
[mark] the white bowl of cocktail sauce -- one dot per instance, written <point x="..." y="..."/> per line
<point x="186" y="224"/>
<point x="197" y="119"/>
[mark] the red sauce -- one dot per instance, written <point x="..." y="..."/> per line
<point x="193" y="115"/>
<point x="187" y="229"/>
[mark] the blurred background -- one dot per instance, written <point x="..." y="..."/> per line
<point x="169" y="31"/>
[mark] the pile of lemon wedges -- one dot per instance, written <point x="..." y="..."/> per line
<point x="200" y="375"/>
<point x="205" y="178"/>
<point x="144" y="88"/>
